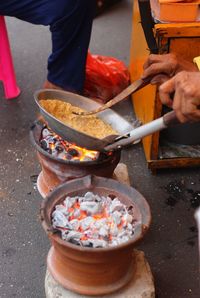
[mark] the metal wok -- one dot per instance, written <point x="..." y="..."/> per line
<point x="127" y="133"/>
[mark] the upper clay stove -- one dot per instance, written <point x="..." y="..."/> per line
<point x="62" y="161"/>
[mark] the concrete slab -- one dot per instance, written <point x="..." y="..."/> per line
<point x="121" y="174"/>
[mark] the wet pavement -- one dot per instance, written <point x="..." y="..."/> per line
<point x="170" y="246"/>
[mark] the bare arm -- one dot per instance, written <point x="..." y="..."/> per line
<point x="163" y="67"/>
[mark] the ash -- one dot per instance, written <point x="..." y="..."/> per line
<point x="94" y="221"/>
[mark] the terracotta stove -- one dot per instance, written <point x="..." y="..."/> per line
<point x="86" y="269"/>
<point x="56" y="169"/>
<point x="89" y="270"/>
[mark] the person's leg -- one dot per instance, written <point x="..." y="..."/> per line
<point x="70" y="39"/>
<point x="70" y="24"/>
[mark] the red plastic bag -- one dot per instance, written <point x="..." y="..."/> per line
<point x="105" y="77"/>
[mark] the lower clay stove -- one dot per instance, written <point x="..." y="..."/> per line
<point x="55" y="170"/>
<point x="89" y="270"/>
<point x="140" y="286"/>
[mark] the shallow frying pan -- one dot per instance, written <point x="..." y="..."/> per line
<point x="127" y="133"/>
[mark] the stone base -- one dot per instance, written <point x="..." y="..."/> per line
<point x="141" y="285"/>
<point x="121" y="174"/>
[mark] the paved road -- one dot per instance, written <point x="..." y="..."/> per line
<point x="171" y="244"/>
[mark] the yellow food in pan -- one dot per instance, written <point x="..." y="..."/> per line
<point x="90" y="125"/>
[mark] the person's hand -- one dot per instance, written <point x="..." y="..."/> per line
<point x="186" y="89"/>
<point x="163" y="67"/>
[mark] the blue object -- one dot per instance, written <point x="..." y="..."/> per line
<point x="70" y="23"/>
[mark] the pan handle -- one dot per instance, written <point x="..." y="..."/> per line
<point x="170" y="119"/>
<point x="143" y="131"/>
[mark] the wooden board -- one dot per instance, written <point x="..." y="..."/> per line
<point x="181" y="38"/>
<point x="143" y="100"/>
<point x="178" y="30"/>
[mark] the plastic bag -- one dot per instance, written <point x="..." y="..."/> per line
<point x="105" y="77"/>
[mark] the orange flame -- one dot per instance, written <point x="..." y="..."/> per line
<point x="83" y="153"/>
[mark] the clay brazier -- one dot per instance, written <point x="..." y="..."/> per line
<point x="93" y="271"/>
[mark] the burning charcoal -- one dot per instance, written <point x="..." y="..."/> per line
<point x="114" y="242"/>
<point x="86" y="243"/>
<point x="130" y="227"/>
<point x="121" y="234"/>
<point x="86" y="222"/>
<point x="98" y="243"/>
<point x="54" y="144"/>
<point x="64" y="233"/>
<point x="59" y="219"/>
<point x="77" y="213"/>
<point x="104" y="231"/>
<point x="44" y="144"/>
<point x="62" y="209"/>
<point x="73" y="235"/>
<point x="75" y="241"/>
<point x="61" y="155"/>
<point x="91" y="207"/>
<point x="45" y="132"/>
<point x="59" y="148"/>
<point x="75" y="224"/>
<point x="56" y="139"/>
<point x="73" y="152"/>
<point x="69" y="202"/>
<point x="92" y="234"/>
<point x="89" y="196"/>
<point x="114" y="230"/>
<point x="116" y="217"/>
<point x="50" y="139"/>
<point x="116" y="205"/>
<point x="54" y="152"/>
<point x="100" y="223"/>
<point x="123" y="239"/>
<point x="128" y="218"/>
<point x="107" y="200"/>
<point x="98" y="198"/>
<point x="93" y="221"/>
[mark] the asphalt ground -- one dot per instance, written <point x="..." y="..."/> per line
<point x="171" y="245"/>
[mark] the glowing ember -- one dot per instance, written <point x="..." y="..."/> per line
<point x="56" y="146"/>
<point x="94" y="221"/>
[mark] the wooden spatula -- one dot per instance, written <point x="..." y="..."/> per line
<point x="135" y="86"/>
